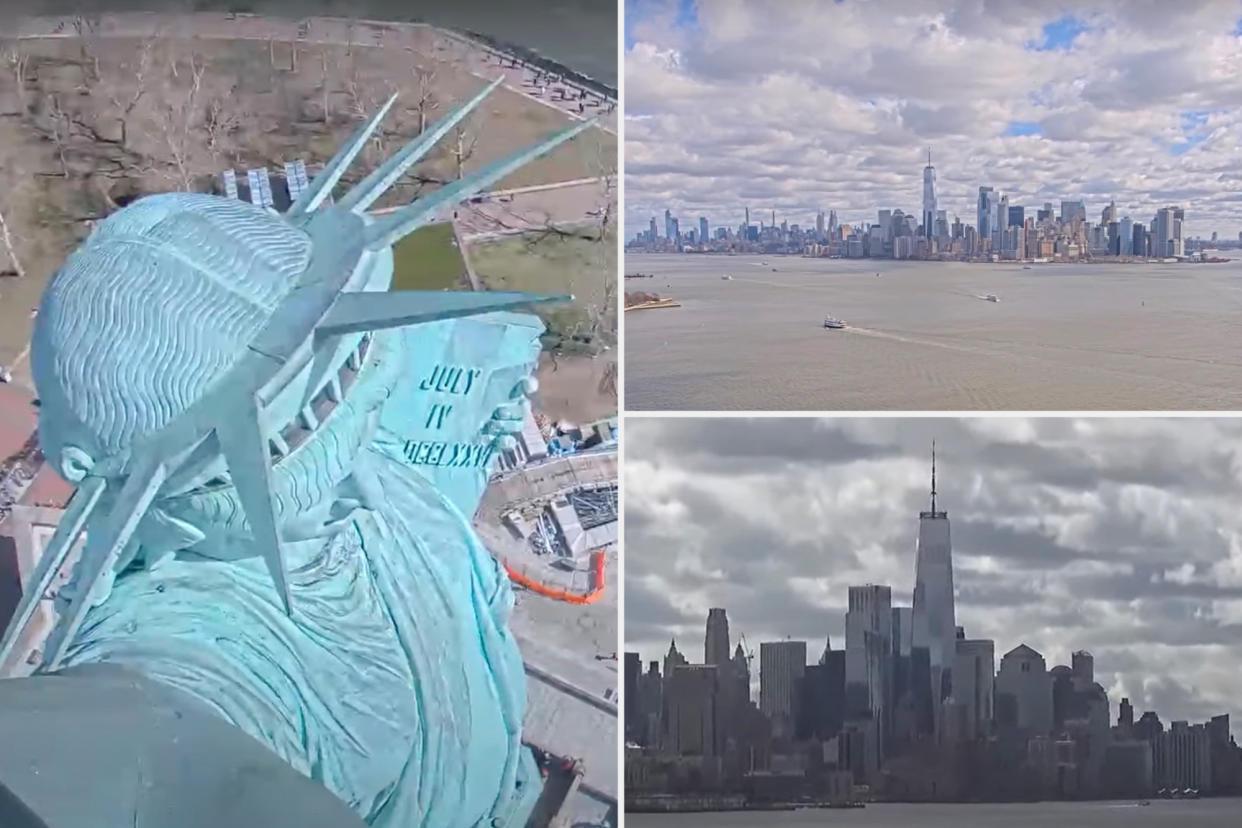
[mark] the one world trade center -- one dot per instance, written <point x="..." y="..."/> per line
<point x="934" y="628"/>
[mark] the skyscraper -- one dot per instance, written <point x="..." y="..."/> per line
<point x="868" y="658"/>
<point x="1109" y="214"/>
<point x="703" y="229"/>
<point x="929" y="197"/>
<point x="716" y="642"/>
<point x="1024" y="691"/>
<point x="654" y="234"/>
<point x="1071" y="210"/>
<point x="974" y="671"/>
<point x="669" y="232"/>
<point x="933" y="619"/>
<point x="781" y="666"/>
<point x="984" y="213"/>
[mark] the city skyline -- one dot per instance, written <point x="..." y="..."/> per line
<point x="818" y="106"/>
<point x="1099" y="569"/>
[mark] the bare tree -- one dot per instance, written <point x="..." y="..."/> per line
<point x="85" y="28"/>
<point x="16" y="60"/>
<point x="426" y="102"/>
<point x="8" y="246"/>
<point x="325" y="86"/>
<point x="175" y="119"/>
<point x="220" y="123"/>
<point x="60" y="127"/>
<point x="125" y="106"/>
<point x="464" y="142"/>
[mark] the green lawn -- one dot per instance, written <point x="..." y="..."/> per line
<point x="550" y="263"/>
<point x="428" y="259"/>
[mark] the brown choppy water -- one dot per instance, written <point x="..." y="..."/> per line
<point x="1208" y="813"/>
<point x="1062" y="337"/>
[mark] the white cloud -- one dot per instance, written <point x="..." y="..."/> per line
<point x="795" y="106"/>
<point x="1120" y="536"/>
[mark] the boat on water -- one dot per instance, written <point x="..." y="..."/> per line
<point x="832" y="322"/>
<point x="991" y="297"/>
<point x="1026" y="267"/>
<point x="727" y="277"/>
<point x="877" y="274"/>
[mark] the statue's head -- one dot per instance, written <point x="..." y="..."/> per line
<point x="194" y="350"/>
<point x="157" y="304"/>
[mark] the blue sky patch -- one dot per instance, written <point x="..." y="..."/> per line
<point x="1194" y="131"/>
<point x="1059" y="34"/>
<point x="1022" y="128"/>
<point x="637" y="11"/>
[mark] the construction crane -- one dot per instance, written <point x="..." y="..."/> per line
<point x="746" y="650"/>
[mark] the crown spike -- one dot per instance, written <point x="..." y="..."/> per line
<point x="364" y="194"/>
<point x="104" y="548"/>
<point x="84" y="500"/>
<point x="250" y="464"/>
<point x="321" y="186"/>
<point x="386" y="231"/>
<point x="375" y="310"/>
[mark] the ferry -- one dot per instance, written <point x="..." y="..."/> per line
<point x="991" y="297"/>
<point x="831" y="322"/>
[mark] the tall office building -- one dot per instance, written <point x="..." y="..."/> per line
<point x="929" y="197"/>
<point x="1125" y="228"/>
<point x="1024" y="691"/>
<point x="1182" y="758"/>
<point x="669" y="233"/>
<point x="974" y="671"/>
<point x="654" y="234"/>
<point x="1109" y="214"/>
<point x="1017" y="216"/>
<point x="1071" y="210"/>
<point x="984" y="213"/>
<point x="1001" y="224"/>
<point x="1166" y="232"/>
<point x="819" y="225"/>
<point x="633" y="710"/>
<point x="781" y="666"/>
<point x="690" y="698"/>
<point x="869" y="658"/>
<point x="933" y="617"/>
<point x="716" y="641"/>
<point x="704" y="238"/>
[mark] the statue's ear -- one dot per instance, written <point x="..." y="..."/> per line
<point x="75" y="464"/>
<point x="162" y="532"/>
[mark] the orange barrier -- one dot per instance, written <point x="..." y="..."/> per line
<point x="559" y="593"/>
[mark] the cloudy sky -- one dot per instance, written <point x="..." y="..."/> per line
<point x="1120" y="536"/>
<point x="805" y="104"/>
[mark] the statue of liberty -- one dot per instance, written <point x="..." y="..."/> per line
<point x="276" y="460"/>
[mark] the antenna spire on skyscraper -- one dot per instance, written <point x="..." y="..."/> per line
<point x="929" y="156"/>
<point x="933" y="491"/>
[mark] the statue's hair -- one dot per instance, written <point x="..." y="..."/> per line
<point x="159" y="302"/>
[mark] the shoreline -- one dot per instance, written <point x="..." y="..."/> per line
<point x="1024" y="262"/>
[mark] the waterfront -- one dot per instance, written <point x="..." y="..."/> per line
<point x="1062" y="336"/>
<point x="1202" y="813"/>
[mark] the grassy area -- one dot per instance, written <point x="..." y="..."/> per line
<point x="428" y="259"/>
<point x="552" y="263"/>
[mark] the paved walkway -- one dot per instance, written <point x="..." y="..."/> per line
<point x="577" y="102"/>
